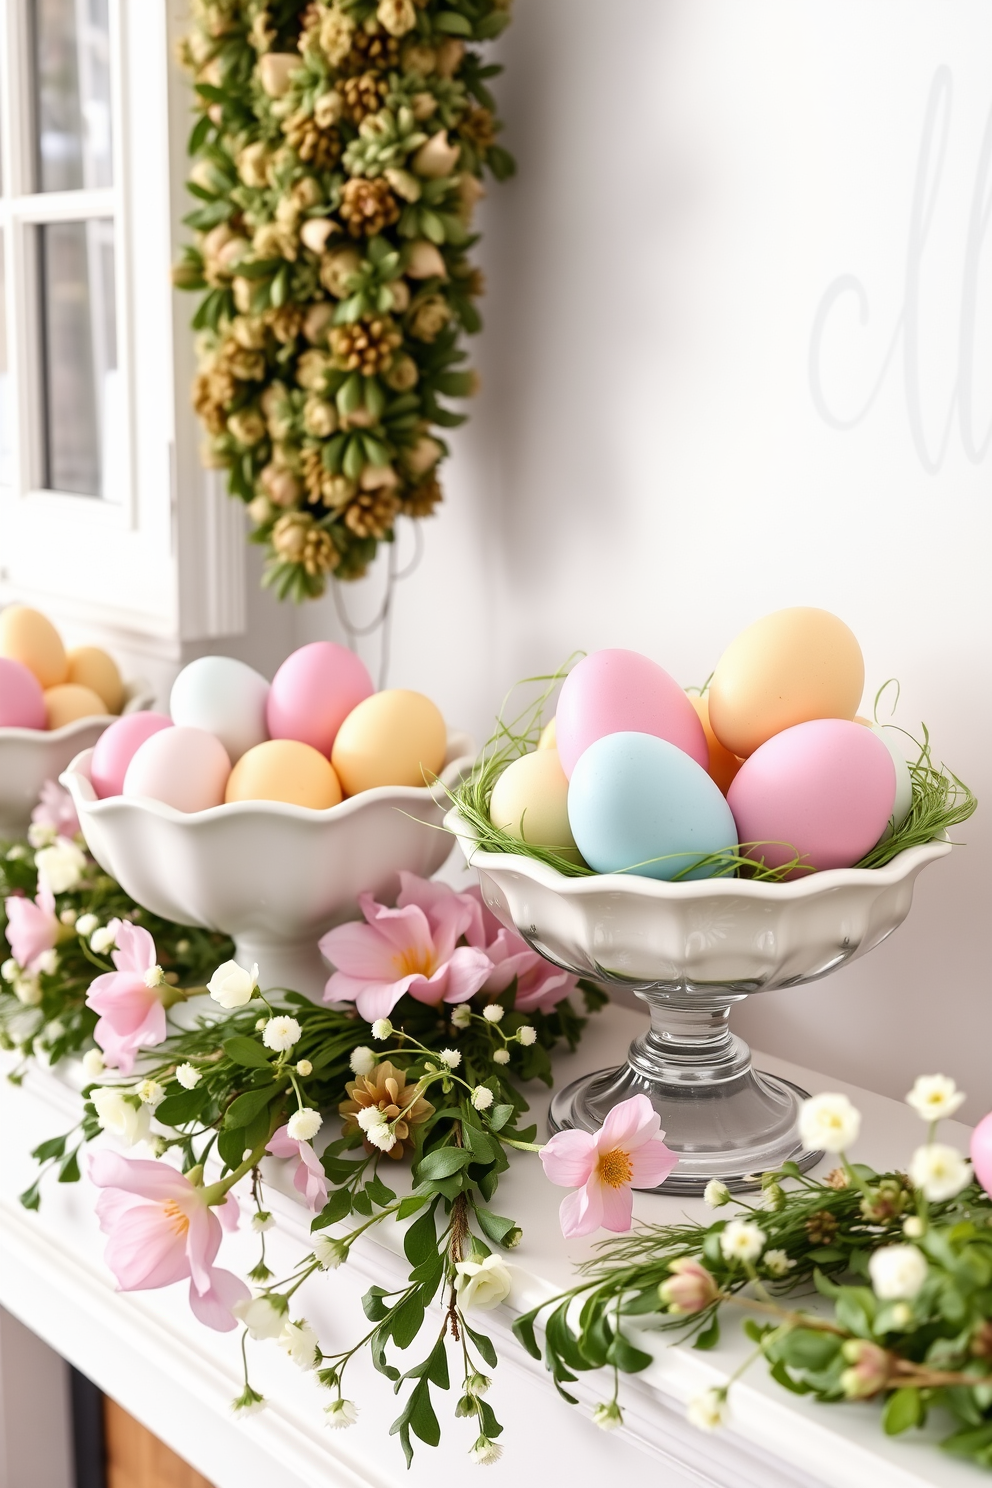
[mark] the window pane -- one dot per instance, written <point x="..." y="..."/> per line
<point x="83" y="416"/>
<point x="6" y="407"/>
<point x="72" y="92"/>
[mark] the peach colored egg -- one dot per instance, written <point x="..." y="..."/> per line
<point x="549" y="736"/>
<point x="186" y="768"/>
<point x="723" y="765"/>
<point x="94" y="668"/>
<point x="69" y="702"/>
<point x="284" y="770"/>
<point x="313" y="692"/>
<point x="22" y="702"/>
<point x="787" y="668"/>
<point x="616" y="691"/>
<point x="824" y="789"/>
<point x="530" y="802"/>
<point x="392" y="738"/>
<point x="29" y="637"/>
<point x="117" y="746"/>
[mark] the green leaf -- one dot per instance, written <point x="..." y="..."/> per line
<point x="808" y="1348"/>
<point x="452" y="24"/>
<point x="902" y="1410"/>
<point x="442" y="1163"/>
<point x="499" y="1116"/>
<point x="231" y="1146"/>
<point x="349" y="395"/>
<point x="373" y="1305"/>
<point x="495" y="1227"/>
<point x="782" y="1377"/>
<point x="246" y="1106"/>
<point x="354" y="457"/>
<point x="54" y="1147"/>
<point x="375" y="403"/>
<point x="361" y="1203"/>
<point x="484" y="1346"/>
<point x="625" y="1356"/>
<point x="420" y="1240"/>
<point x="422" y="1418"/>
<point x="709" y="1337"/>
<point x="177" y="1110"/>
<point x="523" y="1331"/>
<point x="410" y="1205"/>
<point x="69" y="1169"/>
<point x="31" y="1197"/>
<point x="407" y="1321"/>
<point x="246" y="1051"/>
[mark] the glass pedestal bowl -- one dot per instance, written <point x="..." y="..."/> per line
<point x="274" y="877"/>
<point x="690" y="951"/>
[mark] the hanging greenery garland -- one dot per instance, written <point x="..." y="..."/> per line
<point x="338" y="159"/>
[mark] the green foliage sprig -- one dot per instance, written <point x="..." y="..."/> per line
<point x="339" y="155"/>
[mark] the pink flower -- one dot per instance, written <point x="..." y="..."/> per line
<point x="412" y="948"/>
<point x="604" y="1166"/>
<point x="309" y="1178"/>
<point x="540" y="986"/>
<point x="161" y="1230"/>
<point x="55" y="810"/>
<point x="32" y="926"/>
<point x="131" y="1013"/>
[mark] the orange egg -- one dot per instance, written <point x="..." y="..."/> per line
<point x="69" y="702"/>
<point x="92" y="667"/>
<point x="392" y="738"/>
<point x="27" y="636"/>
<point x="723" y="765"/>
<point x="284" y="770"/>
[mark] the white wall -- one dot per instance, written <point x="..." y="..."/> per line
<point x="651" y="464"/>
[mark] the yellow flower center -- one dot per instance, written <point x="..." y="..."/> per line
<point x="177" y="1219"/>
<point x="415" y="962"/>
<point x="615" y="1168"/>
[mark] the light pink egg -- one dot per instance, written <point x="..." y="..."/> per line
<point x="117" y="746"/>
<point x="313" y="692"/>
<point x="981" y="1152"/>
<point x="22" y="702"/>
<point x="185" y="767"/>
<point x="824" y="788"/>
<point x="620" y="692"/>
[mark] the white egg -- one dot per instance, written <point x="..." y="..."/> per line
<point x="892" y="738"/>
<point x="225" y="698"/>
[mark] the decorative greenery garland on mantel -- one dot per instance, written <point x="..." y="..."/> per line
<point x="339" y="157"/>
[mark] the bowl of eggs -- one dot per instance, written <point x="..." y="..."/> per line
<point x="697" y="849"/>
<point x="53" y="703"/>
<point x="264" y="809"/>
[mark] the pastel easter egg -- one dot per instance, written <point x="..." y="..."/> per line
<point x="614" y="692"/>
<point x="530" y="802"/>
<point x="69" y="702"/>
<point x="95" y="668"/>
<point x="22" y="702"/>
<point x="787" y="668"/>
<point x="117" y="746"/>
<point x="392" y="738"/>
<point x="284" y="770"/>
<point x="639" y="804"/>
<point x="549" y="736"/>
<point x="186" y="768"/>
<point x="313" y="692"/>
<point x="225" y="697"/>
<point x="823" y="790"/>
<point x="29" y="637"/>
<point x="891" y="737"/>
<point x="721" y="766"/>
<point x="981" y="1152"/>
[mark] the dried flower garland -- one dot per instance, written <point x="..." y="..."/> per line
<point x="339" y="158"/>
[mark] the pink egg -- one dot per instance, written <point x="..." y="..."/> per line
<point x="117" y="746"/>
<point x="825" y="788"/>
<point x="185" y="767"/>
<point x="22" y="702"/>
<point x="623" y="692"/>
<point x="313" y="692"/>
<point x="981" y="1152"/>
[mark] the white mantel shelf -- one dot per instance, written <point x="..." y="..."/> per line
<point x="147" y="1352"/>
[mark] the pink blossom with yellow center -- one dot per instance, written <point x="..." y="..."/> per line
<point x="540" y="986"/>
<point x="32" y="926"/>
<point x="131" y="1013"/>
<point x="605" y="1166"/>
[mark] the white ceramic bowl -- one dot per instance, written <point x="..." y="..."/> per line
<point x="275" y="877"/>
<point x="29" y="757"/>
<point x="738" y="934"/>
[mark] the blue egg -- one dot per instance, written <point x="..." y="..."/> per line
<point x="637" y="804"/>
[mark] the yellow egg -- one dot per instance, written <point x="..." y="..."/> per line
<point x="787" y="668"/>
<point x="284" y="770"/>
<point x="29" y="637"/>
<point x="549" y="736"/>
<point x="723" y="765"/>
<point x="91" y="667"/>
<point x="530" y="802"/>
<point x="392" y="738"/>
<point x="69" y="702"/>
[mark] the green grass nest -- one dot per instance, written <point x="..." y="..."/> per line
<point x="940" y="800"/>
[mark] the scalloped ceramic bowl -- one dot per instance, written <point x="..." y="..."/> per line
<point x="29" y="757"/>
<point x="275" y="877"/>
<point x="691" y="950"/>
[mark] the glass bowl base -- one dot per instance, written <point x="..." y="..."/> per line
<point x="732" y="1129"/>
